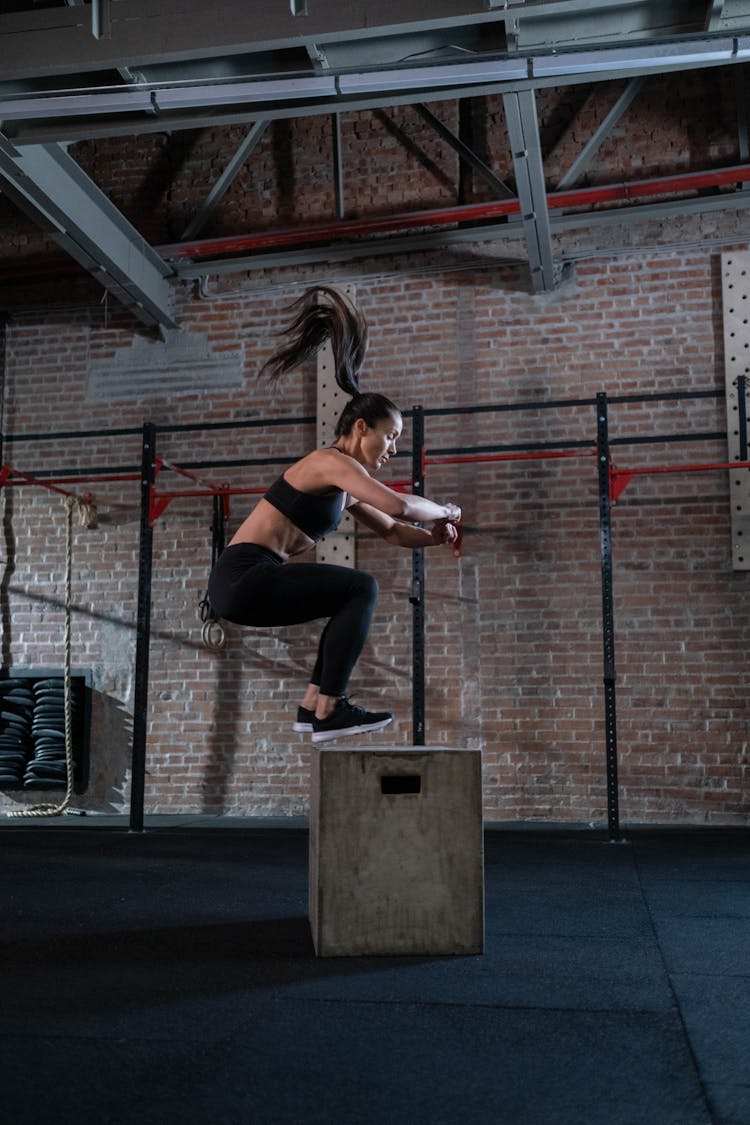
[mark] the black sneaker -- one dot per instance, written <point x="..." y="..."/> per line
<point x="348" y="719"/>
<point x="304" y="724"/>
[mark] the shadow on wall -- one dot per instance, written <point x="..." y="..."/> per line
<point x="109" y="754"/>
<point x="506" y="271"/>
<point x="229" y="681"/>
<point x="247" y="658"/>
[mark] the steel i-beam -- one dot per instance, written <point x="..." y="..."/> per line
<point x="50" y="187"/>
<point x="523" y="130"/>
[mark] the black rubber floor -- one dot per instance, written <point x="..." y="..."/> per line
<point x="169" y="977"/>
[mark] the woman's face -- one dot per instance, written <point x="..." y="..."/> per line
<point x="379" y="441"/>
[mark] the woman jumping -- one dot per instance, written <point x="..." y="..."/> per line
<point x="251" y="583"/>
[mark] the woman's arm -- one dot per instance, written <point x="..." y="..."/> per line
<point x="325" y="468"/>
<point x="403" y="534"/>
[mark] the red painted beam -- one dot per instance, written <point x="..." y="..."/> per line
<point x="444" y="216"/>
<point x="410" y="220"/>
<point x="346" y="228"/>
<point x="661" y="185"/>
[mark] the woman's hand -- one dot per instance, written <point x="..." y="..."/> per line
<point x="444" y="531"/>
<point x="453" y="513"/>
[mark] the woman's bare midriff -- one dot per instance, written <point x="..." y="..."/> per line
<point x="267" y="527"/>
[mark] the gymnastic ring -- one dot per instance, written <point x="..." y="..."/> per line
<point x="213" y="634"/>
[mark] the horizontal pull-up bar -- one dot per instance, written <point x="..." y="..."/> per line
<point x="535" y="455"/>
<point x="160" y="501"/>
<point x="162" y="463"/>
<point x="10" y="476"/>
<point x="620" y="478"/>
<point x="84" y="505"/>
<point x="6" y="473"/>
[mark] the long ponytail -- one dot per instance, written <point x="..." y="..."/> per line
<point x="335" y="319"/>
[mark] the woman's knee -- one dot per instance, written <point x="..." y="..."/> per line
<point x="365" y="585"/>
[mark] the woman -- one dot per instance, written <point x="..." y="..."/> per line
<point x="250" y="583"/>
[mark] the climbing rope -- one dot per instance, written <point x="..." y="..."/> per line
<point x="86" y="511"/>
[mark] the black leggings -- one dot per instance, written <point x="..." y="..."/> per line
<point x="251" y="585"/>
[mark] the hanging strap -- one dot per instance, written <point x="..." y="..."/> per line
<point x="212" y="633"/>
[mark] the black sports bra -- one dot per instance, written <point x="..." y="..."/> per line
<point x="315" y="516"/>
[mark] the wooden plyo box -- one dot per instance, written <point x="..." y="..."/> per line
<point x="396" y="851"/>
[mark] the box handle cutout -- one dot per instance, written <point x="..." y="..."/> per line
<point x="401" y="783"/>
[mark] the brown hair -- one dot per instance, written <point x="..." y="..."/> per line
<point x="372" y="407"/>
<point x="334" y="318"/>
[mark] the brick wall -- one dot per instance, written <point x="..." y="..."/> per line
<point x="514" y="631"/>
<point x="514" y="649"/>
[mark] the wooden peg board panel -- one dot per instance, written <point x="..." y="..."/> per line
<point x="735" y="275"/>
<point x="340" y="546"/>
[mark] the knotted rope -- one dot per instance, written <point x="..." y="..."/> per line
<point x="86" y="511"/>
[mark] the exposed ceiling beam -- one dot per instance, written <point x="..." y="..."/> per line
<point x="113" y="111"/>
<point x="238" y="61"/>
<point x="473" y="236"/>
<point x="335" y="240"/>
<point x="101" y="25"/>
<point x="464" y="152"/>
<point x="127" y="35"/>
<point x="714" y="12"/>
<point x="277" y="249"/>
<point x="523" y="131"/>
<point x="144" y="33"/>
<point x="51" y="188"/>
<point x="317" y="56"/>
<point x="224" y="181"/>
<point x="603" y="130"/>
<point x="734" y="13"/>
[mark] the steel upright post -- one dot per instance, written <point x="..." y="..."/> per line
<point x="417" y="589"/>
<point x="143" y="631"/>
<point x="608" y="617"/>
